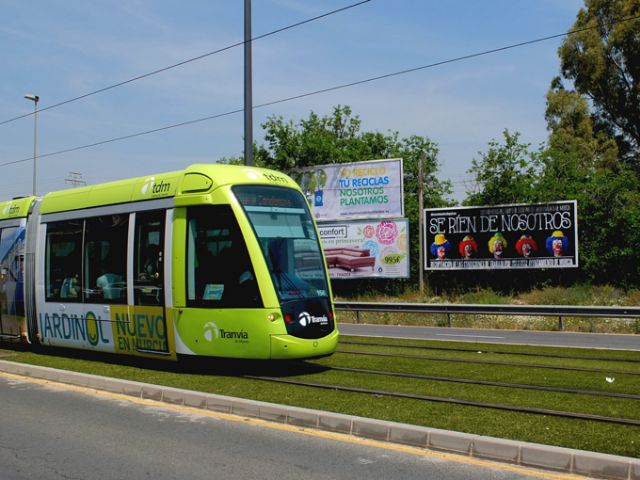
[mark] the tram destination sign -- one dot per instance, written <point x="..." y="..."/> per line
<point x="502" y="237"/>
<point x="348" y="191"/>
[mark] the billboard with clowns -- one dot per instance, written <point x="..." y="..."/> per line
<point x="502" y="236"/>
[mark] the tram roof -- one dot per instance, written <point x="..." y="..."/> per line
<point x="196" y="179"/>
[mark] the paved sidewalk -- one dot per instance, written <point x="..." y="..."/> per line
<point x="495" y="449"/>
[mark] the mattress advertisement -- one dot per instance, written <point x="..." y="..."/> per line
<point x="502" y="237"/>
<point x="368" y="248"/>
<point x="359" y="190"/>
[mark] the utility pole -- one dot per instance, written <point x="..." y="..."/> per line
<point x="248" y="87"/>
<point x="421" y="223"/>
<point x="35" y="99"/>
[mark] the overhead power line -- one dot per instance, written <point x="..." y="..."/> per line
<point x="126" y="137"/>
<point x="189" y="60"/>
<point x="324" y="90"/>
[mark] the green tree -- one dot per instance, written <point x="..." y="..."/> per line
<point x="506" y="173"/>
<point x="592" y="154"/>
<point x="604" y="65"/>
<point x="317" y="140"/>
<point x="571" y="128"/>
<point x="337" y="138"/>
<point x="575" y="151"/>
<point x="581" y="163"/>
<point x="609" y="228"/>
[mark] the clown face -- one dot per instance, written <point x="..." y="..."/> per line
<point x="468" y="251"/>
<point x="498" y="248"/>
<point x="442" y="253"/>
<point x="558" y="249"/>
<point x="526" y="250"/>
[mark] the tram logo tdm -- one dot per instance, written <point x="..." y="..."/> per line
<point x="275" y="178"/>
<point x="11" y="210"/>
<point x="161" y="187"/>
<point x="150" y="186"/>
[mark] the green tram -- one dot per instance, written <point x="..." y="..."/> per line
<point x="214" y="260"/>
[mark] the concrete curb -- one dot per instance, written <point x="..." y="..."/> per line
<point x="488" y="448"/>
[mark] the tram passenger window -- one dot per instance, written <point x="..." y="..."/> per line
<point x="105" y="256"/>
<point x="219" y="270"/>
<point x="63" y="266"/>
<point x="148" y="283"/>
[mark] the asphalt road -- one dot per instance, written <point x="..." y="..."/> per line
<point x="65" y="433"/>
<point x="513" y="337"/>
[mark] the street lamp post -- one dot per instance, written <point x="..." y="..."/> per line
<point x="34" y="99"/>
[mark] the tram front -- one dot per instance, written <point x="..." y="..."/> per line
<point x="287" y="236"/>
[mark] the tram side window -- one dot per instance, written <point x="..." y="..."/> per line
<point x="63" y="268"/>
<point x="219" y="271"/>
<point x="148" y="285"/>
<point x="105" y="259"/>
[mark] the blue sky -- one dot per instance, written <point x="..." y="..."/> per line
<point x="61" y="49"/>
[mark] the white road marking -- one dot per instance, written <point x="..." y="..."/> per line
<point x="470" y="336"/>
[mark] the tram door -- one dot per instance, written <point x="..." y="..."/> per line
<point x="149" y="282"/>
<point x="12" y="321"/>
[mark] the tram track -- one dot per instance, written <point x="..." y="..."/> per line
<point x="417" y="376"/>
<point x="453" y="401"/>
<point x="489" y="362"/>
<point x="374" y="388"/>
<point x="496" y="352"/>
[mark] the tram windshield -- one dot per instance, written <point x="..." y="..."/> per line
<point x="285" y="230"/>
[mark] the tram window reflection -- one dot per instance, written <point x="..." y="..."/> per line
<point x="148" y="282"/>
<point x="63" y="267"/>
<point x="106" y="259"/>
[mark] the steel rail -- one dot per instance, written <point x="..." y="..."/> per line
<point x="481" y="309"/>
<point x="488" y="362"/>
<point x="496" y="352"/>
<point x="429" y="398"/>
<point x="488" y="383"/>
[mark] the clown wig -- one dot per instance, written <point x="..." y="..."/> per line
<point x="440" y="241"/>
<point x="497" y="236"/>
<point x="467" y="240"/>
<point x="526" y="240"/>
<point x="557" y="235"/>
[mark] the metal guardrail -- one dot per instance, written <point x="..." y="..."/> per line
<point x="449" y="309"/>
